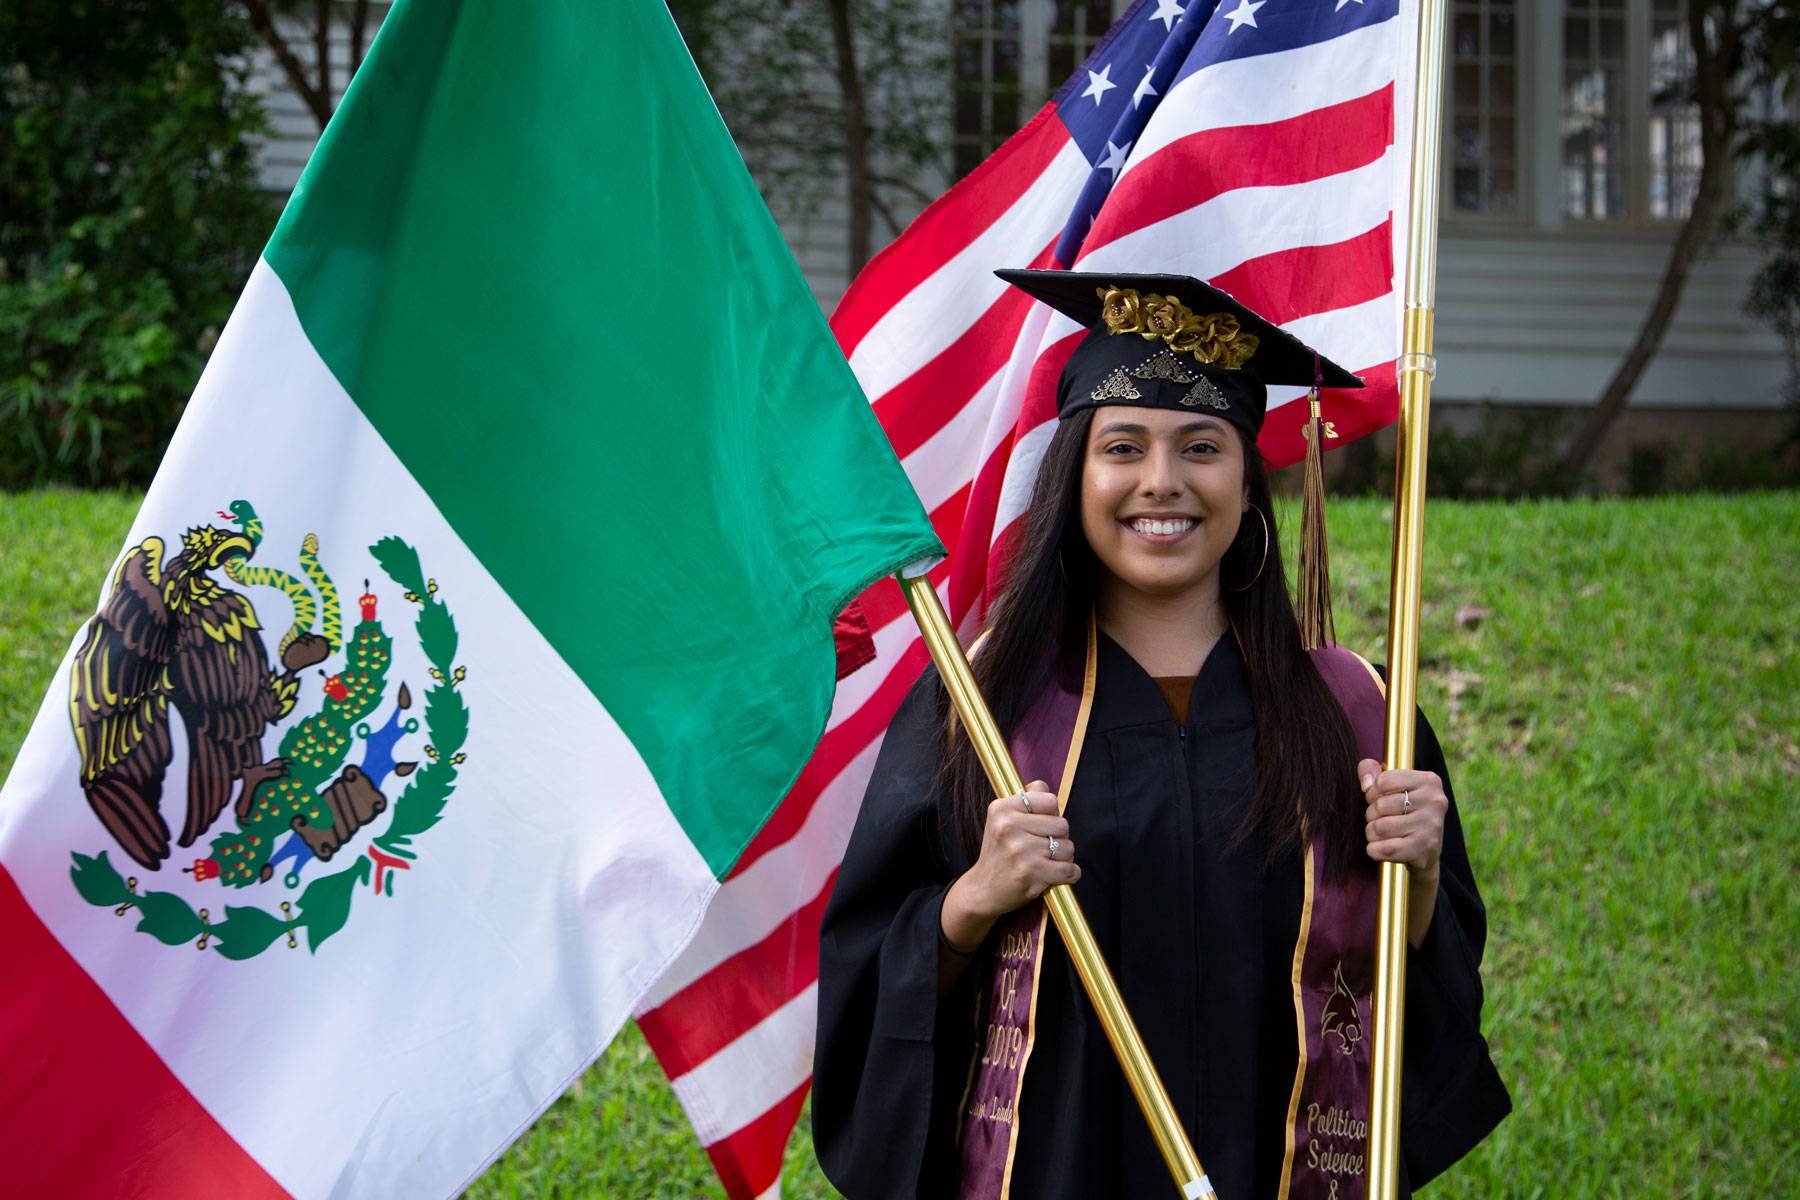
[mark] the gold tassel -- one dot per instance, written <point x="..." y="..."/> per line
<point x="1316" y="625"/>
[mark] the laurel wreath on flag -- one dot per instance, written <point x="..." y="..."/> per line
<point x="324" y="906"/>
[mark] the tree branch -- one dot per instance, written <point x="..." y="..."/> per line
<point x="906" y="186"/>
<point x="1714" y="66"/>
<point x="359" y="25"/>
<point x="322" y="48"/>
<point x="264" y="24"/>
<point x="856" y="136"/>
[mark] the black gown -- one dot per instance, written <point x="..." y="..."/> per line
<point x="1152" y="814"/>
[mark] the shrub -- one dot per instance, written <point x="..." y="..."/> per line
<point x="129" y="219"/>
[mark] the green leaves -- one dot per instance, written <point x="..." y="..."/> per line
<point x="325" y="904"/>
<point x="247" y="932"/>
<point x="401" y="562"/>
<point x="132" y="213"/>
<point x="96" y="880"/>
<point x="168" y="918"/>
<point x="437" y="634"/>
<point x="421" y="805"/>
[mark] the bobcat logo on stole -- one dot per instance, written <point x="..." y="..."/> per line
<point x="336" y="804"/>
<point x="1334" y="1022"/>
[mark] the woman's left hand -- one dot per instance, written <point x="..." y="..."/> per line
<point x="1405" y="819"/>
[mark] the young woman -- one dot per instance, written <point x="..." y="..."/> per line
<point x="1219" y="827"/>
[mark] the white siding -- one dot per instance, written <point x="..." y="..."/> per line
<point x="1544" y="317"/>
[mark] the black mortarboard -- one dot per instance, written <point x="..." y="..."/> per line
<point x="1171" y="341"/>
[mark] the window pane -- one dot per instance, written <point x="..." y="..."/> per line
<point x="1612" y="39"/>
<point x="1503" y="190"/>
<point x="986" y="99"/>
<point x="1500" y="43"/>
<point x="1466" y="186"/>
<point x="1483" y="101"/>
<point x="1674" y="127"/>
<point x="1501" y="88"/>
<point x="1502" y="140"/>
<point x="1593" y="111"/>
<point x="1576" y="46"/>
<point x="1468" y="87"/>
<point x="1467" y="38"/>
<point x="1467" y="140"/>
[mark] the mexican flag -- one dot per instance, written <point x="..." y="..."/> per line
<point x="479" y="614"/>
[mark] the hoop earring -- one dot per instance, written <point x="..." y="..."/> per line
<point x="1265" y="553"/>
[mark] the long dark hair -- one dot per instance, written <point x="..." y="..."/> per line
<point x="1305" y="752"/>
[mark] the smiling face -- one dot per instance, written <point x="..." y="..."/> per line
<point x="1162" y="493"/>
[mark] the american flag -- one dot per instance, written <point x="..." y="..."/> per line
<point x="1250" y="144"/>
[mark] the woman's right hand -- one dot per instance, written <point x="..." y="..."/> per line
<point x="1014" y="867"/>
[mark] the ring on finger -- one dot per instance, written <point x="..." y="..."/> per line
<point x="1027" y="800"/>
<point x="1055" y="845"/>
<point x="1406" y="804"/>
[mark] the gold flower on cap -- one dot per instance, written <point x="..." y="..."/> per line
<point x="1163" y="317"/>
<point x="1120" y="309"/>
<point x="1214" y="338"/>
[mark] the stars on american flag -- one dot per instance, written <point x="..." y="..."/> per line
<point x="1244" y="14"/>
<point x="1169" y="12"/>
<point x="1341" y="3"/>
<point x="1099" y="83"/>
<point x="1144" y="88"/>
<point x="1115" y="158"/>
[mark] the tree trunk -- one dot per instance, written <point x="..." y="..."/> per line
<point x="264" y="23"/>
<point x="856" y="137"/>
<point x="1715" y="60"/>
<point x="322" y="48"/>
<point x="1688" y="244"/>
<point x="359" y="27"/>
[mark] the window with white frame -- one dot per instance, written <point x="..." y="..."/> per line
<point x="985" y="61"/>
<point x="1630" y="135"/>
<point x="1008" y="56"/>
<point x="1674" y="125"/>
<point x="1075" y="29"/>
<point x="1594" y="108"/>
<point x="1484" y="107"/>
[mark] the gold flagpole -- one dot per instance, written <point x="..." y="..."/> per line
<point x="990" y="746"/>
<point x="1416" y="368"/>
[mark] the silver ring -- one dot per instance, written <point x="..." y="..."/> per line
<point x="1406" y="804"/>
<point x="1054" y="847"/>
<point x="1027" y="800"/>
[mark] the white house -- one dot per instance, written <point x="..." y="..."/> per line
<point x="1564" y="182"/>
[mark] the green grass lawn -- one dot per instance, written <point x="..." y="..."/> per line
<point x="1625" y="737"/>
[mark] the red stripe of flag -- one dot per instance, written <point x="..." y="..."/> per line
<point x="948" y="225"/>
<point x="918" y="406"/>
<point x="836" y="751"/>
<point x="749" y="1159"/>
<point x="1305" y="281"/>
<point x="1352" y="411"/>
<point x="737" y="995"/>
<point x="1192" y="170"/>
<point x="96" y="1114"/>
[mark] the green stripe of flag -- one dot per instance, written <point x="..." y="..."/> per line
<point x="531" y="254"/>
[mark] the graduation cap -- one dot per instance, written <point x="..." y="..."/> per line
<point x="1173" y="341"/>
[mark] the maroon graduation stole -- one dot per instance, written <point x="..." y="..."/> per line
<point x="1046" y="746"/>
<point x="1334" y="983"/>
<point x="1333" y="974"/>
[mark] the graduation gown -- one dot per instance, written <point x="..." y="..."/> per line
<point x="1199" y="934"/>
